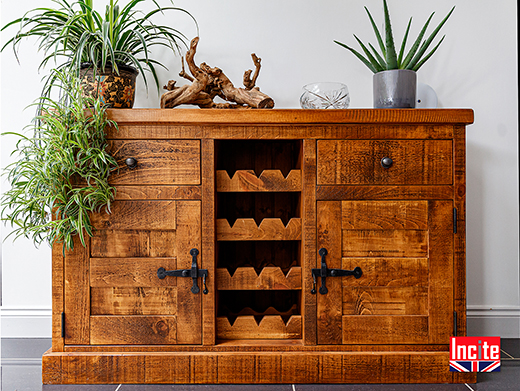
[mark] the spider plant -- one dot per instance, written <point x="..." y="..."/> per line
<point x="61" y="174"/>
<point x="74" y="32"/>
<point x="388" y="59"/>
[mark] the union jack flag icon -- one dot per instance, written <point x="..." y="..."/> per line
<point x="475" y="366"/>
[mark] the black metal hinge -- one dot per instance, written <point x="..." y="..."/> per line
<point x="63" y="325"/>
<point x="454" y="323"/>
<point x="454" y="220"/>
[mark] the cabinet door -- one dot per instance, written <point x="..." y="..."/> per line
<point x="405" y="251"/>
<point x="113" y="294"/>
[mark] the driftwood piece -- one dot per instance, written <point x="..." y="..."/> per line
<point x="209" y="82"/>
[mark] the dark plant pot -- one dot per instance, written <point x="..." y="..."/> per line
<point x="117" y="90"/>
<point x="395" y="89"/>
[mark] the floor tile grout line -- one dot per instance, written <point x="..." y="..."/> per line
<point x="293" y="388"/>
<point x="503" y="351"/>
<point x="118" y="387"/>
<point x="467" y="385"/>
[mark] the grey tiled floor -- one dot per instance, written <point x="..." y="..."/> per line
<point x="21" y="371"/>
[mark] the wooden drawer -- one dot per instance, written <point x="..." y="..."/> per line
<point x="358" y="162"/>
<point x="159" y="162"/>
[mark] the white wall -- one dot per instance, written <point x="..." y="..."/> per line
<point x="476" y="67"/>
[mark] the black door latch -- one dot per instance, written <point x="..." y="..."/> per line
<point x="325" y="272"/>
<point x="193" y="273"/>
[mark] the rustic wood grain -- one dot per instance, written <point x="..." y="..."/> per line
<point x="389" y="243"/>
<point x="270" y="278"/>
<point x="159" y="162"/>
<point x="122" y="330"/>
<point x="142" y="215"/>
<point x="384" y="215"/>
<point x="130" y="272"/>
<point x="132" y="243"/>
<point x="441" y="271"/>
<point x="268" y="180"/>
<point x="405" y="329"/>
<point x="158" y="192"/>
<point x="459" y="277"/>
<point x="359" y="192"/>
<point x="76" y="301"/>
<point x="390" y="272"/>
<point x="293" y="116"/>
<point x="361" y="300"/>
<point x="269" y="229"/>
<point x="58" y="267"/>
<point x="189" y="311"/>
<point x="308" y="244"/>
<point x="329" y="305"/>
<point x="208" y="260"/>
<point x="269" y="327"/>
<point x="133" y="301"/>
<point x="417" y="162"/>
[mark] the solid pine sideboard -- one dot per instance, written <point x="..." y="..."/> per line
<point x="270" y="246"/>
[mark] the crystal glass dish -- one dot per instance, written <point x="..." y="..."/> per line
<point x="327" y="95"/>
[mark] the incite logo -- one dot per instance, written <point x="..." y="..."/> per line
<point x="475" y="354"/>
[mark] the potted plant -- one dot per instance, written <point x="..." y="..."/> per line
<point x="61" y="174"/>
<point x="395" y="75"/>
<point x="111" y="48"/>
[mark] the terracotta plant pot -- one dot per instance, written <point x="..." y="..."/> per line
<point x="117" y="90"/>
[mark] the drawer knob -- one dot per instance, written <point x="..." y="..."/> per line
<point x="386" y="162"/>
<point x="131" y="162"/>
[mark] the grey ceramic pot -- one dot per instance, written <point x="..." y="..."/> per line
<point x="395" y="89"/>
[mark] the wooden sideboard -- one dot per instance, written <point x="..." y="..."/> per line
<point x="270" y="246"/>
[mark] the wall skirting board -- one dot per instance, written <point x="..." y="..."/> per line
<point x="482" y="320"/>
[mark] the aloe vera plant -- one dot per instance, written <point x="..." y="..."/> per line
<point x="388" y="58"/>
<point x="61" y="172"/>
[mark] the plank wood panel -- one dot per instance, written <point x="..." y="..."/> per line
<point x="420" y="162"/>
<point x="268" y="180"/>
<point x="389" y="243"/>
<point x="359" y="192"/>
<point x="208" y="216"/>
<point x="308" y="244"/>
<point x="270" y="278"/>
<point x="130" y="272"/>
<point x="392" y="272"/>
<point x="269" y="327"/>
<point x="76" y="302"/>
<point x="133" y="301"/>
<point x="441" y="271"/>
<point x="361" y="300"/>
<point x="159" y="162"/>
<point x="384" y="215"/>
<point x="194" y="368"/>
<point x="406" y="329"/>
<point x="138" y="330"/>
<point x="144" y="215"/>
<point x="189" y="311"/>
<point x="459" y="266"/>
<point x="58" y="263"/>
<point x="329" y="306"/>
<point x="269" y="229"/>
<point x="158" y="193"/>
<point x="132" y="243"/>
<point x="155" y="117"/>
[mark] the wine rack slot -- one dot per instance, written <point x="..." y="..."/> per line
<point x="267" y="181"/>
<point x="269" y="229"/>
<point x="246" y="278"/>
<point x="269" y="327"/>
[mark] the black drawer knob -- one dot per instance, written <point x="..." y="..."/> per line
<point x="386" y="162"/>
<point x="131" y="162"/>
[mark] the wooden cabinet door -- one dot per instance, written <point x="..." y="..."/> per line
<point x="113" y="294"/>
<point x="405" y="251"/>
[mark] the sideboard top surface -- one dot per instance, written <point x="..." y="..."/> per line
<point x="292" y="116"/>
